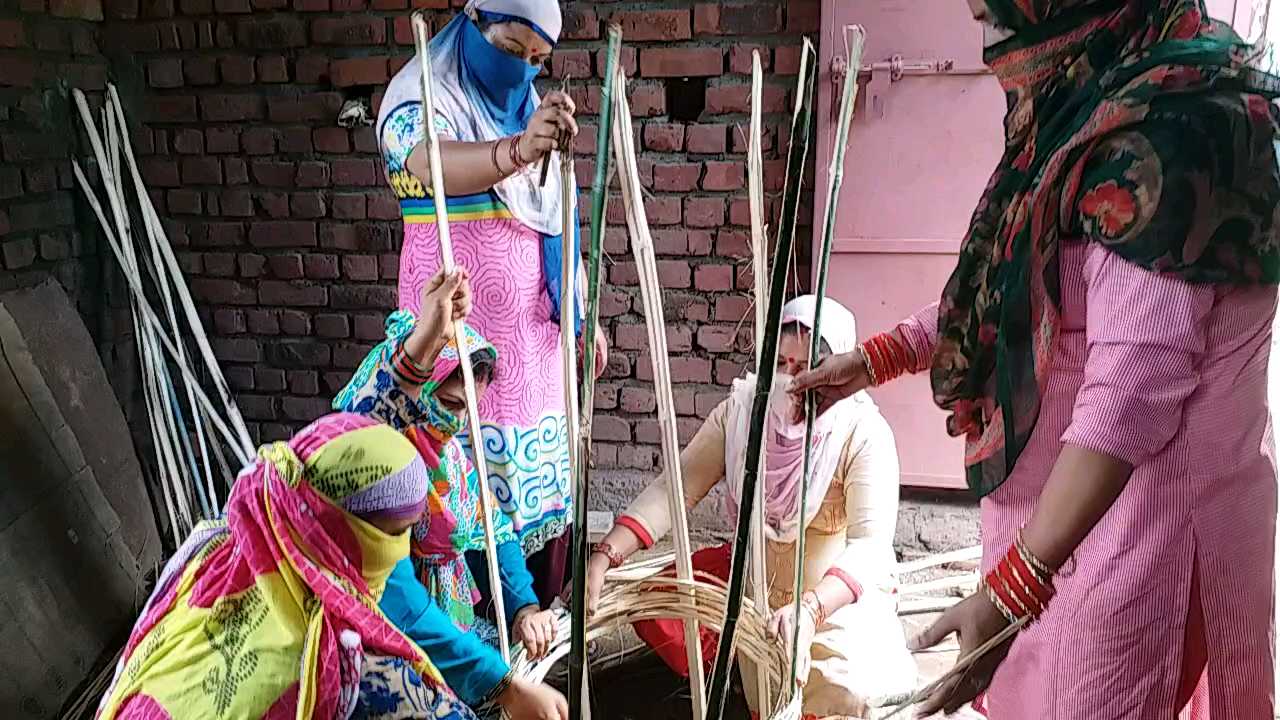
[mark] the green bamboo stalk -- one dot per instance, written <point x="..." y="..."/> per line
<point x="854" y="40"/>
<point x="578" y="704"/>
<point x="796" y="154"/>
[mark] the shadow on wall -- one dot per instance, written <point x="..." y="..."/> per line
<point x="77" y="536"/>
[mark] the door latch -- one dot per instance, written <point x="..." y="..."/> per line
<point x="893" y="70"/>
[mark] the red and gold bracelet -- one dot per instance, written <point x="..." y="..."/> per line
<point x="408" y="369"/>
<point x="811" y="602"/>
<point x="885" y="357"/>
<point x="1020" y="584"/>
<point x="516" y="161"/>
<point x="605" y="549"/>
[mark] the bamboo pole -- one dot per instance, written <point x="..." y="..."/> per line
<point x="760" y="272"/>
<point x="464" y="351"/>
<point x="854" y="40"/>
<point x="651" y="294"/>
<point x="579" y="697"/>
<point x="764" y="378"/>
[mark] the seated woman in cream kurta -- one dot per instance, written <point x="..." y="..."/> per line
<point x="854" y="642"/>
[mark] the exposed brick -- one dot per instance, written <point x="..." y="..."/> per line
<point x="356" y="30"/>
<point x="223" y="292"/>
<point x="654" y="24"/>
<point x="263" y="322"/>
<point x="165" y="73"/>
<point x="201" y="171"/>
<point x="312" y="174"/>
<point x="362" y="297"/>
<point x="361" y="268"/>
<point x="332" y="326"/>
<point x="78" y="9"/>
<point x="171" y="109"/>
<point x="332" y="140"/>
<point x="736" y="98"/>
<point x="733" y="243"/>
<point x="293" y="233"/>
<point x="684" y="369"/>
<point x="608" y="428"/>
<point x="580" y="23"/>
<point x="229" y="7"/>
<point x="362" y="172"/>
<point x="312" y="69"/>
<point x="704" y="212"/>
<point x="269" y="379"/>
<point x="787" y="60"/>
<point x="294" y="322"/>
<point x="272" y="69"/>
<point x="237" y="70"/>
<point x="307" y="205"/>
<point x="296" y="294"/>
<point x="19" y="253"/>
<point x="305" y="382"/>
<point x="681" y="62"/>
<point x="664" y="137"/>
<point x="320" y="267"/>
<point x="276" y="33"/>
<point x="160" y="172"/>
<point x="251" y="265"/>
<point x="676" y="177"/>
<point x="724" y="175"/>
<point x="754" y="18"/>
<point x="349" y="206"/>
<point x="713" y="278"/>
<point x="184" y="202"/>
<point x="12" y="34"/>
<point x="231" y="108"/>
<point x="293" y="354"/>
<point x="295" y="140"/>
<point x="359" y="71"/>
<point x="804" y="16"/>
<point x="707" y="138"/>
<point x="229" y="322"/>
<point x="571" y="63"/>
<point x="740" y="58"/>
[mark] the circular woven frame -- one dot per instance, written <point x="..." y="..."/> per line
<point x="657" y="598"/>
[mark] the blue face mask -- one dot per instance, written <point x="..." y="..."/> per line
<point x="504" y="80"/>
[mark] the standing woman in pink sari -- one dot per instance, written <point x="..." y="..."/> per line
<point x="507" y="229"/>
<point x="1102" y="346"/>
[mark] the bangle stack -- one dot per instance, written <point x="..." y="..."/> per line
<point x="516" y="161"/>
<point x="885" y="357"/>
<point x="605" y="549"/>
<point x="408" y="369"/>
<point x="1020" y="585"/>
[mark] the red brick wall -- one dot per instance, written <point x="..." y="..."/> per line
<point x="290" y="237"/>
<point x="46" y="231"/>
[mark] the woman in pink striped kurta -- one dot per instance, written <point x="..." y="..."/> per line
<point x="1103" y="346"/>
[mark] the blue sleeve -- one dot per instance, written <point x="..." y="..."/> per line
<point x="517" y="582"/>
<point x="469" y="666"/>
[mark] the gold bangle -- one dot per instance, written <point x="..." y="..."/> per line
<point x="866" y="362"/>
<point x="1036" y="564"/>
<point x="995" y="600"/>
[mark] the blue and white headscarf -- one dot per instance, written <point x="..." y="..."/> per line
<point x="482" y="94"/>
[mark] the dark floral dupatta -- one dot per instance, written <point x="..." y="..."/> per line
<point x="1134" y="123"/>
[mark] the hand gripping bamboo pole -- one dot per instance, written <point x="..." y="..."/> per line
<point x="459" y="334"/>
<point x="760" y="273"/>
<point x="651" y="294"/>
<point x="854" y="39"/>
<point x="579" y="697"/>
<point x="764" y="379"/>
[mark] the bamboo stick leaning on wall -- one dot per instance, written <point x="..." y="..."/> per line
<point x="460" y="337"/>
<point x="854" y="39"/>
<point x="651" y="294"/>
<point x="764" y="378"/>
<point x="760" y="273"/>
<point x="579" y="699"/>
<point x="150" y="330"/>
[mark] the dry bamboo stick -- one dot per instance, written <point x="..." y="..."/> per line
<point x="760" y="270"/>
<point x="945" y="583"/>
<point x="459" y="333"/>
<point x="961" y="555"/>
<point x="650" y="289"/>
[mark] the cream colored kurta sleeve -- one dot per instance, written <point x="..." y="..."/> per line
<point x="701" y="465"/>
<point x="869" y="468"/>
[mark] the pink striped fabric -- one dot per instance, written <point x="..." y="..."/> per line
<point x="1171" y="377"/>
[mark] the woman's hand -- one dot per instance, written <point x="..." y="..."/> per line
<point x="976" y="621"/>
<point x="536" y="629"/>
<point x="597" y="566"/>
<point x="553" y="117"/>
<point x="782" y="626"/>
<point x="524" y="700"/>
<point x="602" y="352"/>
<point x="835" y="379"/>
<point x="444" y="299"/>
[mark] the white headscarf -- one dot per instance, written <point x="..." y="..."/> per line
<point x="534" y="206"/>
<point x="784" y="440"/>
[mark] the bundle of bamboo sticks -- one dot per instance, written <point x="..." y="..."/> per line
<point x="193" y="475"/>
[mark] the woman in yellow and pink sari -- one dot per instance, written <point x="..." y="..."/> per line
<point x="272" y="612"/>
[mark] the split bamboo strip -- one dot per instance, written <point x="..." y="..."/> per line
<point x="854" y="41"/>
<point x="579" y="699"/>
<point x="764" y="379"/>
<point x="965" y="580"/>
<point x="651" y="294"/>
<point x="962" y="555"/>
<point x="962" y="666"/>
<point x="241" y="444"/>
<point x="432" y="141"/>
<point x="760" y="273"/>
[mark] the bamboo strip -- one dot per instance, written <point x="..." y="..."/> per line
<point x="967" y="580"/>
<point x="579" y="698"/>
<point x="760" y="272"/>
<point x="464" y="350"/>
<point x="764" y="383"/>
<point x="854" y="40"/>
<point x="962" y="555"/>
<point x="242" y="443"/>
<point x="651" y="294"/>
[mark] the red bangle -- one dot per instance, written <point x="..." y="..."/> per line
<point x="409" y="370"/>
<point x="516" y="160"/>
<point x="1042" y="588"/>
<point x="1021" y="593"/>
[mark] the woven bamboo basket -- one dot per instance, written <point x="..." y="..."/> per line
<point x="658" y="598"/>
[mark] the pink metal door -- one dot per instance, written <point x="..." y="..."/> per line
<point x="925" y="137"/>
